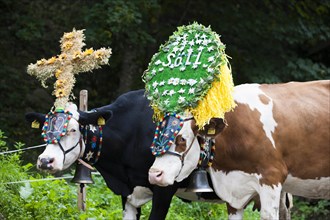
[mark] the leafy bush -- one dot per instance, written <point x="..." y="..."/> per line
<point x="305" y="209"/>
<point x="180" y="210"/>
<point x="57" y="199"/>
<point x="10" y="170"/>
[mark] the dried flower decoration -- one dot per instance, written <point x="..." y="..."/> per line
<point x="71" y="61"/>
<point x="58" y="73"/>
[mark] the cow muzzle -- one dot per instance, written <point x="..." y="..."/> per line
<point x="155" y="176"/>
<point x="46" y="163"/>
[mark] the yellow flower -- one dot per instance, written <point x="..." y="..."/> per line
<point x="59" y="93"/>
<point x="77" y="55"/>
<point x="58" y="73"/>
<point x="98" y="54"/>
<point x="59" y="83"/>
<point x="68" y="35"/>
<point x="41" y="62"/>
<point x="67" y="45"/>
<point x="88" y="51"/>
<point x="62" y="56"/>
<point x="51" y="60"/>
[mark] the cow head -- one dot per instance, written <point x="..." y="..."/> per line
<point x="61" y="132"/>
<point x="183" y="155"/>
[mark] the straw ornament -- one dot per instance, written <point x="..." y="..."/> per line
<point x="65" y="66"/>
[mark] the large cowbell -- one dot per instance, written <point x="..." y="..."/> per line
<point x="165" y="134"/>
<point x="198" y="180"/>
<point x="55" y="126"/>
<point x="82" y="175"/>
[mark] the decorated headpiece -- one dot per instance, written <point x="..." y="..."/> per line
<point x="190" y="74"/>
<point x="71" y="61"/>
<point x="165" y="133"/>
<point x="55" y="126"/>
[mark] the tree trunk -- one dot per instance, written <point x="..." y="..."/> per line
<point x="128" y="70"/>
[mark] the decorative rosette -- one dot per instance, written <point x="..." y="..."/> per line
<point x="190" y="73"/>
<point x="55" y="126"/>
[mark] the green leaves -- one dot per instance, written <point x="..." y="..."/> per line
<point x="310" y="209"/>
<point x="25" y="191"/>
<point x="306" y="69"/>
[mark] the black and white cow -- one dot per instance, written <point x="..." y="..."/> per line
<point x="125" y="157"/>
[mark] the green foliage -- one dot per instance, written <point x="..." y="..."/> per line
<point x="101" y="202"/>
<point x="306" y="69"/>
<point x="56" y="199"/>
<point x="310" y="209"/>
<point x="10" y="171"/>
<point x="2" y="141"/>
<point x="119" y="19"/>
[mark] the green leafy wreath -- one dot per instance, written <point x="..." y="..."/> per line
<point x="182" y="73"/>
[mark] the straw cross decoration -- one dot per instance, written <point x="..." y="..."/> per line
<point x="66" y="65"/>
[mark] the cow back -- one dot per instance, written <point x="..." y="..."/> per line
<point x="275" y="130"/>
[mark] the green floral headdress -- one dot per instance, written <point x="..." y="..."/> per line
<point x="190" y="73"/>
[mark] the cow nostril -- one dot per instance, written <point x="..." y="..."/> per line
<point x="159" y="174"/>
<point x="46" y="163"/>
<point x="47" y="160"/>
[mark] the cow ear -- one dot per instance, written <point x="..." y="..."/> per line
<point x="214" y="127"/>
<point x="95" y="118"/>
<point x="36" y="119"/>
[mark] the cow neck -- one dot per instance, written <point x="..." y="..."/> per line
<point x="93" y="137"/>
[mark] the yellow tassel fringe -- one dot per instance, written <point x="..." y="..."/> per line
<point x="217" y="101"/>
<point x="158" y="114"/>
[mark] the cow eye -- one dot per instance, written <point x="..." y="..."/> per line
<point x="181" y="139"/>
<point x="73" y="130"/>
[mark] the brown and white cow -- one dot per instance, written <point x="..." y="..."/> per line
<point x="277" y="138"/>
